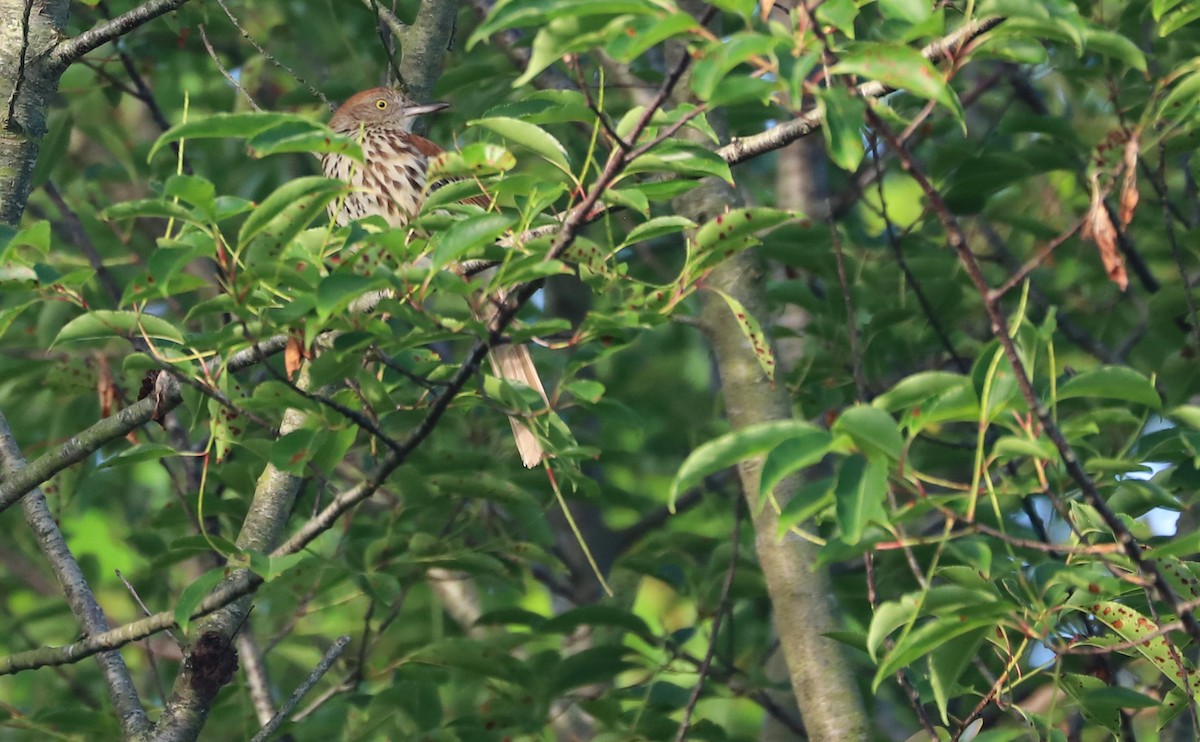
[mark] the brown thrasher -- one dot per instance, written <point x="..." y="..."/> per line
<point x="390" y="182"/>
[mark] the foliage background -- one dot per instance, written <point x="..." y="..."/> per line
<point x="472" y="610"/>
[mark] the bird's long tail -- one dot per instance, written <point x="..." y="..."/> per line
<point x="513" y="363"/>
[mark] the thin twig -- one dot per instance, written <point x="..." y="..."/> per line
<point x="84" y="242"/>
<point x="719" y="614"/>
<point x="245" y="582"/>
<point x="911" y="278"/>
<point x="1019" y="275"/>
<point x="118" y="425"/>
<point x="318" y="672"/>
<point x="742" y="149"/>
<point x="601" y="116"/>
<point x="224" y="72"/>
<point x="1176" y="253"/>
<point x="270" y="57"/>
<point x="70" y="50"/>
<point x="958" y="241"/>
<point x="856" y="366"/>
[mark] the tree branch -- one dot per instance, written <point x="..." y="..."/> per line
<point x="70" y="50"/>
<point x="80" y="598"/>
<point x="744" y="148"/>
<point x="318" y="672"/>
<point x="20" y="482"/>
<point x="958" y="241"/>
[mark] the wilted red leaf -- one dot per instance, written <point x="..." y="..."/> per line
<point x="293" y="354"/>
<point x="1129" y="189"/>
<point x="1099" y="228"/>
<point x="106" y="388"/>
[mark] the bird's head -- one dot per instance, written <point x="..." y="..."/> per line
<point x="379" y="107"/>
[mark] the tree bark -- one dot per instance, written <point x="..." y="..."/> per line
<point x="822" y="680"/>
<point x="29" y="31"/>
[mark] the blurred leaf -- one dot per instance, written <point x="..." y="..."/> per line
<point x="468" y="234"/>
<point x="759" y="344"/>
<point x="731" y="448"/>
<point x="898" y="67"/>
<point x="1112" y="382"/>
<point x="529" y="136"/>
<point x="860" y="491"/>
<point x="102" y="324"/>
<point x="723" y="56"/>
<point x="843" y="115"/>
<point x="195" y="593"/>
<point x="873" y="431"/>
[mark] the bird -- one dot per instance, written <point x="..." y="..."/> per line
<point x="391" y="182"/>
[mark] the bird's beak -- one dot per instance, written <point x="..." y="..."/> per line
<point x="418" y="109"/>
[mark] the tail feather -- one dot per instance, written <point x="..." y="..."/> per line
<point x="513" y="363"/>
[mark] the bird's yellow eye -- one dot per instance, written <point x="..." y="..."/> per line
<point x="381" y="104"/>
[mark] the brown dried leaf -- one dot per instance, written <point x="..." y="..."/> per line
<point x="1129" y="189"/>
<point x="106" y="388"/>
<point x="1099" y="228"/>
<point x="293" y="354"/>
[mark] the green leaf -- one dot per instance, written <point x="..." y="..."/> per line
<point x="1187" y="414"/>
<point x="899" y="67"/>
<point x="269" y="567"/>
<point x="524" y="13"/>
<point x="593" y="665"/>
<point x="759" y="344"/>
<point x="193" y="190"/>
<point x="913" y="11"/>
<point x="487" y="658"/>
<point x="657" y="227"/>
<point x="637" y="35"/>
<point x="873" y="431"/>
<point x="139" y="453"/>
<point x="283" y="215"/>
<point x="731" y="448"/>
<point x="337" y="290"/>
<point x="918" y="388"/>
<point x="35" y="235"/>
<point x="946" y="665"/>
<point x="195" y="593"/>
<point x="842" y="114"/>
<point x="527" y="135"/>
<point x="52" y="150"/>
<point x="597" y="615"/>
<point x="1010" y="447"/>
<point x="1140" y="632"/>
<point x="737" y="223"/>
<point x="725" y="54"/>
<point x="467" y="234"/>
<point x="933" y="634"/>
<point x="1079" y="687"/>
<point x="558" y="38"/>
<point x="102" y="324"/>
<point x="302" y="136"/>
<point x="234" y="126"/>
<point x="792" y="455"/>
<point x="681" y="158"/>
<point x="1184" y="15"/>
<point x="150" y="207"/>
<point x="628" y="198"/>
<point x="292" y="452"/>
<point x="1112" y="382"/>
<point x="860" y="492"/>
<point x="1115" y="45"/>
